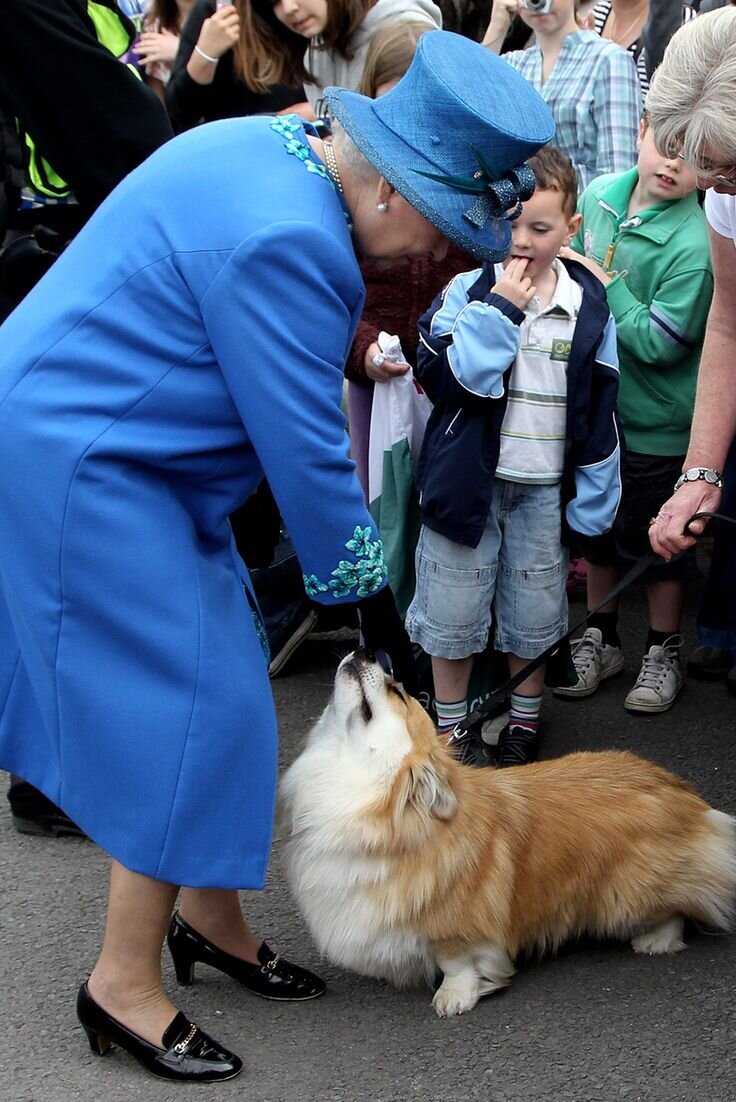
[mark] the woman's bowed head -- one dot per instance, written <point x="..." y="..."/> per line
<point x="441" y="144"/>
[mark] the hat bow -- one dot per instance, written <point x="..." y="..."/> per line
<point x="498" y="194"/>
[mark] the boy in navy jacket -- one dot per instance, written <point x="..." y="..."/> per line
<point x="521" y="452"/>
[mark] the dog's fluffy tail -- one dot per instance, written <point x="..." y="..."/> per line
<point x="717" y="868"/>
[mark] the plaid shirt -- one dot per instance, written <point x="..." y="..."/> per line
<point x="601" y="13"/>
<point x="593" y="93"/>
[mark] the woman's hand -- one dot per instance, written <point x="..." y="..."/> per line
<point x="514" y="285"/>
<point x="667" y="529"/>
<point x="383" y="630"/>
<point x="587" y="262"/>
<point x="385" y="370"/>
<point x="501" y="16"/>
<point x="153" y="46"/>
<point x="220" y="32"/>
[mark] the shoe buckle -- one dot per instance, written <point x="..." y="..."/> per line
<point x="273" y="962"/>
<point x="458" y="734"/>
<point x="181" y="1046"/>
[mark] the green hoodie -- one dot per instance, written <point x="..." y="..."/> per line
<point x="660" y="300"/>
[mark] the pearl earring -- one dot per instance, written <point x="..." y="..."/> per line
<point x="383" y="207"/>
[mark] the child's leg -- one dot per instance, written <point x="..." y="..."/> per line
<point x="526" y="699"/>
<point x="450" y="614"/>
<point x="648" y="482"/>
<point x="660" y="677"/>
<point x="518" y="743"/>
<point x="597" y="654"/>
<point x="531" y="605"/>
<point x="451" y="678"/>
<point x="534" y="684"/>
<point x="601" y="580"/>
<point x="666" y="600"/>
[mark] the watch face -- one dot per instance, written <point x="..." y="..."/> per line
<point x="700" y="474"/>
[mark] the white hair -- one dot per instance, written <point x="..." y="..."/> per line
<point x="692" y="100"/>
<point x="351" y="157"/>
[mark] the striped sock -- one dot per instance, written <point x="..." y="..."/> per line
<point x="525" y="711"/>
<point x="450" y="714"/>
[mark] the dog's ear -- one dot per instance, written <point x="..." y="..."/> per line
<point x="430" y="789"/>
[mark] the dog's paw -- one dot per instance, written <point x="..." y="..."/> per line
<point x="453" y="999"/>
<point x="661" y="939"/>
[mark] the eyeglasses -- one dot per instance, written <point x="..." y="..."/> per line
<point x="708" y="173"/>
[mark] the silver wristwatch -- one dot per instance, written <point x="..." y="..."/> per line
<point x="700" y="474"/>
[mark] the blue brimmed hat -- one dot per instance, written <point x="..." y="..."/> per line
<point x="452" y="137"/>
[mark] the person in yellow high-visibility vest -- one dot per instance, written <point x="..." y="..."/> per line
<point x="74" y="121"/>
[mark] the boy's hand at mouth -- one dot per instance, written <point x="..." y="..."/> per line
<point x="514" y="284"/>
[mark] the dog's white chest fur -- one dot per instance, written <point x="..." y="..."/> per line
<point x="353" y="752"/>
<point x="334" y="894"/>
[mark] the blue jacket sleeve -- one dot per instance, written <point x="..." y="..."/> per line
<point x="280" y="316"/>
<point x="592" y="510"/>
<point x="466" y="344"/>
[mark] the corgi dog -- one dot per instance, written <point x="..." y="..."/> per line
<point x="406" y="863"/>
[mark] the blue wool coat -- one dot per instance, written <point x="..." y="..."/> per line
<point x="191" y="338"/>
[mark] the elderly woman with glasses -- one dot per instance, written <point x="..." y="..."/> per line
<point x="191" y="339"/>
<point x="692" y="110"/>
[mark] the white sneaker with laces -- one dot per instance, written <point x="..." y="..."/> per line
<point x="594" y="661"/>
<point x="660" y="678"/>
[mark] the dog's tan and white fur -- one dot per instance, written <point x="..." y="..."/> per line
<point x="404" y="861"/>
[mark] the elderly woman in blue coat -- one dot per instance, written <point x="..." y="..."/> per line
<point x="191" y="339"/>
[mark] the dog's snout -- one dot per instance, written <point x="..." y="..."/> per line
<point x="359" y="660"/>
<point x="360" y="682"/>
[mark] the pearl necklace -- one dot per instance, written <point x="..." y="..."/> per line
<point x="332" y="165"/>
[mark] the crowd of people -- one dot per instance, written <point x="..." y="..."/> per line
<point x="378" y="200"/>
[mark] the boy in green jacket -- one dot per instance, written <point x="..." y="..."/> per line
<point x="645" y="236"/>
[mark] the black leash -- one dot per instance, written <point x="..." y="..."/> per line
<point x="490" y="708"/>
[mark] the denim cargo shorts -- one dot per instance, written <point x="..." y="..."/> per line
<point x="515" y="576"/>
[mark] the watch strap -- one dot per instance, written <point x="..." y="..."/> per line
<point x="700" y="474"/>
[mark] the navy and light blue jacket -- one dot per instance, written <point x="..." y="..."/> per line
<point x="470" y="333"/>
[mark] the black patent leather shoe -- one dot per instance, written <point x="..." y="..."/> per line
<point x="272" y="978"/>
<point x="469" y="748"/>
<point x="187" y="1053"/>
<point x="53" y="825"/>
<point x="34" y="813"/>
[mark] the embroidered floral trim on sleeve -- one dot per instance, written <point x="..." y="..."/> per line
<point x="257" y="624"/>
<point x="288" y="126"/>
<point x="364" y="576"/>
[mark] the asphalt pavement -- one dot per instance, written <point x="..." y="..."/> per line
<point x="594" y="1023"/>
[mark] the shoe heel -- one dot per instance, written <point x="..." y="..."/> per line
<point x="97" y="1041"/>
<point x="183" y="952"/>
<point x="184" y="972"/>
<point x="183" y="966"/>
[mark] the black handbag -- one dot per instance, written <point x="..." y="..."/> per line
<point x="24" y="260"/>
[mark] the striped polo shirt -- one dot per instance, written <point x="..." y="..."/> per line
<point x="534" y="426"/>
